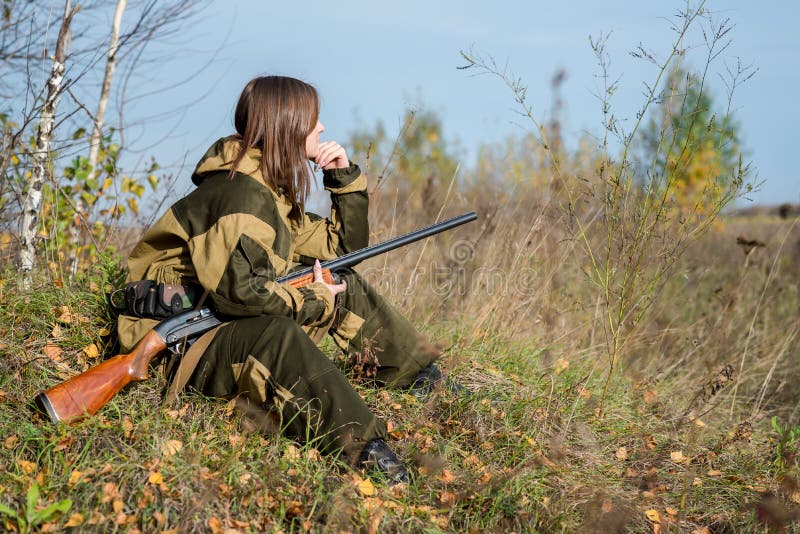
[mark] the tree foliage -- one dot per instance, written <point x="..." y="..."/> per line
<point x="690" y="145"/>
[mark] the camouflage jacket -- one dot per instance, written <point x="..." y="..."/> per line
<point x="234" y="237"/>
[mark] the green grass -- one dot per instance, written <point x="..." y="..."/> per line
<point x="527" y="452"/>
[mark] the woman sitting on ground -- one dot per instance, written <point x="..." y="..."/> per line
<point x="245" y="225"/>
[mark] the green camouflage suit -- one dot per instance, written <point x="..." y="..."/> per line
<point x="234" y="237"/>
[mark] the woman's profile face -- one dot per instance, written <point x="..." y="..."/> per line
<point x="312" y="141"/>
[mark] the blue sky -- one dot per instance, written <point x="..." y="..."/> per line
<point x="371" y="61"/>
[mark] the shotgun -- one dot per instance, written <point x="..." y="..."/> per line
<point x="84" y="394"/>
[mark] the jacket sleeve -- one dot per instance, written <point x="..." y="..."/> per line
<point x="347" y="228"/>
<point x="242" y="283"/>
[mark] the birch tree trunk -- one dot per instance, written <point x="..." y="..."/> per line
<point x="97" y="133"/>
<point x="41" y="154"/>
<point x="111" y="64"/>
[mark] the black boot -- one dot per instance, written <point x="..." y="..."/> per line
<point x="429" y="379"/>
<point x="378" y="456"/>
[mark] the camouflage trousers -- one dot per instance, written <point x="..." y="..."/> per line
<point x="273" y="362"/>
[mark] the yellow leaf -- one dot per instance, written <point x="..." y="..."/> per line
<point x="11" y="441"/>
<point x="74" y="478"/>
<point x="671" y="511"/>
<point x="65" y="316"/>
<point x="118" y="505"/>
<point x="56" y="332"/>
<point x="699" y="423"/>
<point x="714" y="473"/>
<point x="171" y="447"/>
<point x="621" y="454"/>
<point x="366" y="488"/>
<point x="104" y="332"/>
<point x="653" y="516"/>
<point x="133" y="204"/>
<point x="28" y="467"/>
<point x="91" y="351"/>
<point x="650" y="396"/>
<point x="677" y="457"/>
<point x="75" y="520"/>
<point x="155" y="478"/>
<point x="561" y="365"/>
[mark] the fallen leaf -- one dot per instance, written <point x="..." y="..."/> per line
<point x="447" y="498"/>
<point x="561" y="365"/>
<point x="56" y="332"/>
<point x="291" y="453"/>
<point x="75" y="520"/>
<point x="110" y="492"/>
<point x="28" y="467"/>
<point x="366" y="488"/>
<point x="447" y="476"/>
<point x="697" y="482"/>
<point x="104" y="332"/>
<point x="11" y="441"/>
<point x="485" y="478"/>
<point x="677" y="457"/>
<point x="701" y="530"/>
<point x="215" y="525"/>
<point x="795" y="497"/>
<point x="53" y="351"/>
<point x="127" y="427"/>
<point x="650" y="442"/>
<point x="65" y="316"/>
<point x="714" y="473"/>
<point x="650" y="396"/>
<point x="91" y="351"/>
<point x="171" y="447"/>
<point x="699" y="423"/>
<point x="159" y="517"/>
<point x="621" y="454"/>
<point x="653" y="516"/>
<point x="155" y="478"/>
<point x="118" y="505"/>
<point x="74" y="478"/>
<point x="671" y="511"/>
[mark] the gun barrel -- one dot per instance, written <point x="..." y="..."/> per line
<point x="358" y="256"/>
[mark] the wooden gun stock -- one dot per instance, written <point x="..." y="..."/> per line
<point x="86" y="393"/>
<point x="306" y="279"/>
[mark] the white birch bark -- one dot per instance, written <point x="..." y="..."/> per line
<point x="97" y="131"/>
<point x="41" y="155"/>
<point x="111" y="63"/>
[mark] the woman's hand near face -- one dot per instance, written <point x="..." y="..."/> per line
<point x="332" y="155"/>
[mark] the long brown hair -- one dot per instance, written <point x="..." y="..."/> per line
<point x="275" y="114"/>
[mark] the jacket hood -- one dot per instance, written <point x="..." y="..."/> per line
<point x="220" y="156"/>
